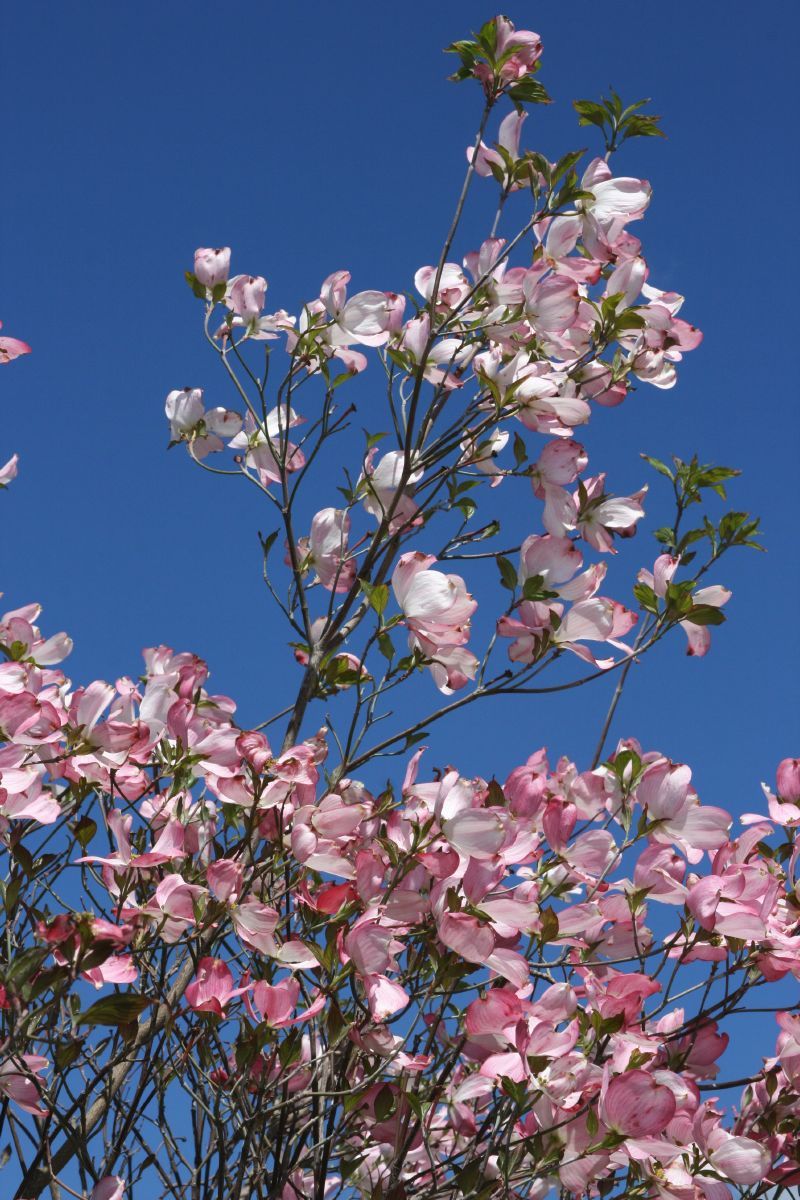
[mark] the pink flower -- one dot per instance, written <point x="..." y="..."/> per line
<point x="784" y="808"/>
<point x="384" y="996"/>
<point x="437" y="609"/>
<point x="561" y="236"/>
<point x="212" y="267"/>
<point x="367" y="318"/>
<point x="481" y="451"/>
<point x="664" y="790"/>
<point x="212" y="987"/>
<point x="478" y="832"/>
<point x="190" y="422"/>
<point x="549" y="403"/>
<point x="490" y="162"/>
<point x="615" y="202"/>
<point x="553" y="559"/>
<point x="11" y="348"/>
<point x="277" y="1003"/>
<point x="225" y="878"/>
<point x="452" y="667"/>
<point x="327" y="549"/>
<point x="664" y="340"/>
<point x="266" y="447"/>
<point x="682" y="820"/>
<point x="516" y="53"/>
<point x="525" y="45"/>
<point x="174" y="904"/>
<point x="699" y="636"/>
<point x="255" y="924"/>
<point x="245" y="296"/>
<point x="597" y="619"/>
<point x="560" y="462"/>
<point x="436" y="606"/>
<point x="601" y="517"/>
<point x="635" y="1105"/>
<point x="111" y="1187"/>
<point x="788" y="779"/>
<point x="659" y="579"/>
<point x="740" y="1159"/>
<point x="21" y="1081"/>
<point x="8" y="471"/>
<point x="444" y="358"/>
<point x="551" y="305"/>
<point x="372" y="947"/>
<point x="466" y="936"/>
<point x="118" y="968"/>
<point x="453" y="285"/>
<point x="380" y="485"/>
<point x="539" y="624"/>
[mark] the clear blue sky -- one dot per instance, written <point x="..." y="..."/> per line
<point x="318" y="136"/>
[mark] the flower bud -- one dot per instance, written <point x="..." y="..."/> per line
<point x="212" y="266"/>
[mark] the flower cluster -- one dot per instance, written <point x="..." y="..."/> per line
<point x="540" y="345"/>
<point x="544" y="901"/>
<point x="422" y="984"/>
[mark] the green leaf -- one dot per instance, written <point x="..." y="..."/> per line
<point x="384" y="1103"/>
<point x="290" y="1049"/>
<point x="534" y="589"/>
<point x="26" y="964"/>
<point x="338" y="380"/>
<point x="665" y="535"/>
<point x="517" y="1091"/>
<point x="83" y="831"/>
<point x="646" y="597"/>
<point x="541" y="165"/>
<point x="11" y="893"/>
<point x="377" y="594"/>
<point x="705" y="614"/>
<point x="565" y="164"/>
<point x="495" y="797"/>
<point x="414" y="738"/>
<point x="487" y="36"/>
<point x="590" y="113"/>
<point x="194" y="283"/>
<point x="467" y="1178"/>
<point x="529" y="91"/>
<point x="379" y="598"/>
<point x="691" y="536"/>
<point x="66" y="1054"/>
<point x="398" y="358"/>
<point x="416" y="1105"/>
<point x="23" y="856"/>
<point x="267" y="542"/>
<point x="629" y="319"/>
<point x="353" y="1100"/>
<point x="549" y="930"/>
<point x="641" y="125"/>
<point x="627" y="767"/>
<point x="115" y="1010"/>
<point x="386" y="646"/>
<point x="508" y="574"/>
<point x="462" y="48"/>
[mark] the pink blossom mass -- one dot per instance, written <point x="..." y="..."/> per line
<point x="303" y="955"/>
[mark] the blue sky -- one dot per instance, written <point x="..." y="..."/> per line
<point x="322" y="136"/>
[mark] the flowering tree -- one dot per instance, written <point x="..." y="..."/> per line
<point x="314" y="986"/>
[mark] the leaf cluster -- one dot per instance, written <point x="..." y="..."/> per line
<point x="617" y="123"/>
